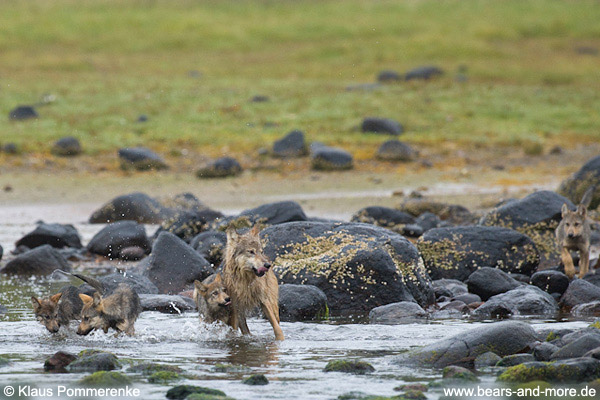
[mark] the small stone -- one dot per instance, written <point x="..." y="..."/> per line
<point x="349" y="366"/>
<point x="22" y="113"/>
<point x="105" y="379"/>
<point x="256" y="380"/>
<point x="59" y="361"/>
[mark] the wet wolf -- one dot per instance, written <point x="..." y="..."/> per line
<point x="58" y="310"/>
<point x="212" y="300"/>
<point x="249" y="280"/>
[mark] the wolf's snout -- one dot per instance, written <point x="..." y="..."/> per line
<point x="571" y="235"/>
<point x="267" y="265"/>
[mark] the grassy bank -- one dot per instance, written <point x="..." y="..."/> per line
<point x="192" y="66"/>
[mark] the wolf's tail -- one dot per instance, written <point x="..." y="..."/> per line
<point x="586" y="200"/>
<point x="96" y="284"/>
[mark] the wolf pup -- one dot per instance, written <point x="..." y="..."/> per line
<point x="58" y="310"/>
<point x="573" y="234"/>
<point x="212" y="300"/>
<point x="249" y="280"/>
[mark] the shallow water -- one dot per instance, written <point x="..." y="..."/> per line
<point x="293" y="367"/>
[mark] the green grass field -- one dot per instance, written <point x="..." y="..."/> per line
<point x="108" y="61"/>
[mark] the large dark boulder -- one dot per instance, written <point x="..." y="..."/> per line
<point x="457" y="252"/>
<point x="173" y="265"/>
<point x="550" y="281"/>
<point x="140" y="284"/>
<point x="403" y="312"/>
<point x="577" y="184"/>
<point x="220" y="168"/>
<point x="21" y="113"/>
<point x="326" y="158"/>
<point x="579" y="292"/>
<point x="424" y="72"/>
<point x="536" y="216"/>
<point x="395" y="150"/>
<point x="187" y="224"/>
<point x="42" y="260"/>
<point x="357" y="266"/>
<point x="137" y="207"/>
<point x="168" y="304"/>
<point x="302" y="303"/>
<point x="140" y="158"/>
<point x="56" y="235"/>
<point x="385" y="217"/>
<point x="501" y="338"/>
<point x="524" y="300"/>
<point x="116" y="236"/>
<point x="487" y="282"/>
<point x="381" y="125"/>
<point x="587" y="309"/>
<point x="210" y="245"/>
<point x="67" y="147"/>
<point x="291" y="145"/>
<point x="578" y="347"/>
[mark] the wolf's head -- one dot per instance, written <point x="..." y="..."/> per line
<point x="213" y="292"/>
<point x="246" y="251"/>
<point x="46" y="311"/>
<point x="91" y="313"/>
<point x="574" y="221"/>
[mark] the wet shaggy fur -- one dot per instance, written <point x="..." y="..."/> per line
<point x="212" y="300"/>
<point x="250" y="281"/>
<point x="573" y="234"/>
<point x="58" y="310"/>
<point x="119" y="311"/>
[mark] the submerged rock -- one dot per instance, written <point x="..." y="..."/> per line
<point x="502" y="338"/>
<point x="256" y="380"/>
<point x="302" y="303"/>
<point x="357" y="266"/>
<point x="457" y="252"/>
<point x="183" y="391"/>
<point x="59" y="361"/>
<point x="105" y="379"/>
<point x="99" y="361"/>
<point x="349" y="366"/>
<point x="404" y="312"/>
<point x="42" y="260"/>
<point x="562" y="371"/>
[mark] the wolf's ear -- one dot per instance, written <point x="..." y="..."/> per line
<point x="85" y="298"/>
<point x="218" y="278"/>
<point x="582" y="210"/>
<point x="36" y="303"/>
<point x="564" y="210"/>
<point x="55" y="298"/>
<point x="199" y="286"/>
<point x="232" y="234"/>
<point x="255" y="230"/>
<point x="97" y="299"/>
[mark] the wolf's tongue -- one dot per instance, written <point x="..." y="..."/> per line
<point x="262" y="270"/>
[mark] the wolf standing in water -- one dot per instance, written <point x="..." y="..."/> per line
<point x="250" y="281"/>
<point x="58" y="310"/>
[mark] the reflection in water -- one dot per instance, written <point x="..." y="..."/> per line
<point x="254" y="353"/>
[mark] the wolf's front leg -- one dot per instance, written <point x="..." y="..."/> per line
<point x="243" y="324"/>
<point x="584" y="262"/>
<point x="271" y="312"/>
<point x="567" y="261"/>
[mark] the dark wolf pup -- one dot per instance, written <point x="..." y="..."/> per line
<point x="250" y="281"/>
<point x="573" y="234"/>
<point x="58" y="310"/>
<point x="212" y="300"/>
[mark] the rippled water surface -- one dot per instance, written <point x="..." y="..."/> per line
<point x="294" y="367"/>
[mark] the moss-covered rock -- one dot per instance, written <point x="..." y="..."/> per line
<point x="94" y="361"/>
<point x="151" y="368"/>
<point x="457" y="252"/>
<point x="163" y="377"/>
<point x="105" y="379"/>
<point x="457" y="373"/>
<point x="357" y="266"/>
<point x="515" y="359"/>
<point x="183" y="391"/>
<point x="349" y="366"/>
<point x="577" y="184"/>
<point x="230" y="368"/>
<point x="536" y="216"/>
<point x="256" y="380"/>
<point x="563" y="371"/>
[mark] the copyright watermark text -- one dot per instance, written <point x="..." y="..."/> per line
<point x="68" y="392"/>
